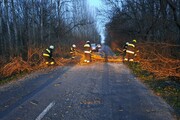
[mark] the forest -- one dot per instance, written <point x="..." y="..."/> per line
<point x="155" y="24"/>
<point x="27" y="26"/>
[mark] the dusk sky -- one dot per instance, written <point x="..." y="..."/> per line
<point x="97" y="4"/>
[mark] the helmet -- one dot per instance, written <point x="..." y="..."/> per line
<point x="87" y="41"/>
<point x="74" y="45"/>
<point x="51" y="47"/>
<point x="127" y="43"/>
<point x="134" y="41"/>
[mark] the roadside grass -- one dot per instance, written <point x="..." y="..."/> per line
<point x="168" y="88"/>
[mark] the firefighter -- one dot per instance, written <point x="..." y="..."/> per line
<point x="124" y="51"/>
<point x="130" y="51"/>
<point x="48" y="55"/>
<point x="73" y="51"/>
<point x="87" y="52"/>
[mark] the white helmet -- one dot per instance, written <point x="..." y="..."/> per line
<point x="51" y="47"/>
<point x="127" y="43"/>
<point x="88" y="42"/>
<point x="74" y="45"/>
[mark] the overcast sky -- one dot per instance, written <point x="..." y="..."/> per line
<point x="93" y="4"/>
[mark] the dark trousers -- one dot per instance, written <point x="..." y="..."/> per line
<point x="49" y="60"/>
<point x="88" y="57"/>
<point x="72" y="54"/>
<point x="129" y="56"/>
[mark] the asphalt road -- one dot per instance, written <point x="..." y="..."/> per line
<point x="97" y="91"/>
<point x="107" y="50"/>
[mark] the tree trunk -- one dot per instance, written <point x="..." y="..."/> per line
<point x="174" y="9"/>
<point x="9" y="45"/>
<point x="50" y="23"/>
<point x="1" y="39"/>
<point x="33" y="24"/>
<point x="58" y="3"/>
<point x="15" y="28"/>
<point x="41" y="24"/>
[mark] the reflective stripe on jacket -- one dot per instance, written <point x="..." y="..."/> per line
<point x="46" y="55"/>
<point x="87" y="51"/>
<point x="128" y="51"/>
<point x="87" y="45"/>
<point x="132" y="45"/>
<point x="87" y="48"/>
<point x="48" y="50"/>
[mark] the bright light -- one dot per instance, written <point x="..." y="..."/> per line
<point x="95" y="3"/>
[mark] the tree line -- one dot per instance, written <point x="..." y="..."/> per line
<point x="145" y="20"/>
<point x="155" y="24"/>
<point x="30" y="24"/>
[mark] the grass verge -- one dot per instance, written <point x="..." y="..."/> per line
<point x="168" y="88"/>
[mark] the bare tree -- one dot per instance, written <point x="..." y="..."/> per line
<point x="28" y="24"/>
<point x="145" y="20"/>
<point x="1" y="38"/>
<point x="15" y="27"/>
<point x="8" y="26"/>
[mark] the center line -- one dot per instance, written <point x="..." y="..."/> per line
<point x="45" y="111"/>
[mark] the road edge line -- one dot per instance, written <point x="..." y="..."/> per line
<point x="45" y="111"/>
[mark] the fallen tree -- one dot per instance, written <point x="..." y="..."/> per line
<point x="161" y="59"/>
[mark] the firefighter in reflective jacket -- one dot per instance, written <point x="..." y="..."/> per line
<point x="47" y="54"/>
<point x="130" y="51"/>
<point x="73" y="51"/>
<point x="87" y="52"/>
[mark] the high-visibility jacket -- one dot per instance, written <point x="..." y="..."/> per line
<point x="131" y="48"/>
<point x="47" y="53"/>
<point x="87" y="48"/>
<point x="72" y="50"/>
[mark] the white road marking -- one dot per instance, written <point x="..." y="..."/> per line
<point x="45" y="111"/>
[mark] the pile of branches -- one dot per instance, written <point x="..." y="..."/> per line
<point x="35" y="61"/>
<point x="35" y="58"/>
<point x="15" y="66"/>
<point x="161" y="59"/>
<point x="81" y="54"/>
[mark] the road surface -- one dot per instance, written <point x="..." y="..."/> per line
<point x="97" y="91"/>
<point x="107" y="50"/>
